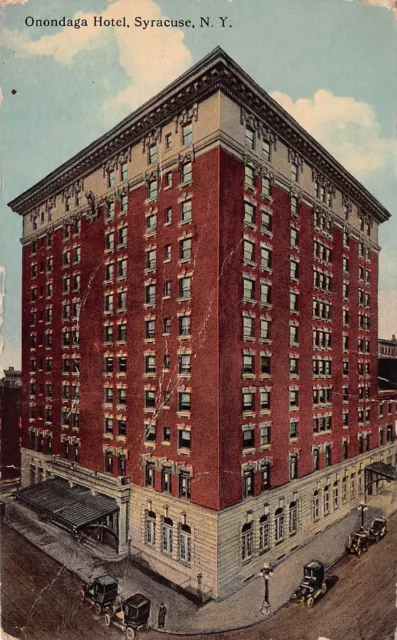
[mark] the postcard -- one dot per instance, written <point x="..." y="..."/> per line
<point x="198" y="319"/>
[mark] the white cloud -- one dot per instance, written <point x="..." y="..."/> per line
<point x="3" y="3"/>
<point x="151" y="58"/>
<point x="391" y="5"/>
<point x="347" y="128"/>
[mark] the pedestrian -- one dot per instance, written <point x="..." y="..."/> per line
<point x="162" y="615"/>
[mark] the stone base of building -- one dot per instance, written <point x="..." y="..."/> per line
<point x="216" y="554"/>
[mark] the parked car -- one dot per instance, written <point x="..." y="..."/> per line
<point x="312" y="586"/>
<point x="378" y="529"/>
<point x="130" y="616"/>
<point x="358" y="543"/>
<point x="100" y="593"/>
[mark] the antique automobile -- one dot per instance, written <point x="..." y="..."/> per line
<point x="377" y="530"/>
<point x="100" y="593"/>
<point x="313" y="584"/>
<point x="130" y="616"/>
<point x="358" y="543"/>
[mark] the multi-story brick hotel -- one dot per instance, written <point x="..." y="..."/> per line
<point x="200" y="334"/>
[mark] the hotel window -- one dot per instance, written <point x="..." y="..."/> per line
<point x="266" y="258"/>
<point x="294" y="206"/>
<point x="293" y="428"/>
<point x="66" y="285"/>
<point x="265" y="365"/>
<point x="166" y="326"/>
<point x="109" y="241"/>
<point x="184" y="401"/>
<point x="186" y="211"/>
<point x="108" y="336"/>
<point x="249" y="175"/>
<point x="185" y="249"/>
<point x="151" y="222"/>
<point x="150" y="294"/>
<point x="111" y="179"/>
<point x="150" y="364"/>
<point x="293" y="398"/>
<point x="328" y="455"/>
<point x="248" y="401"/>
<point x="266" y="221"/>
<point x="150" y="528"/>
<point x="168" y="141"/>
<point x="166" y="362"/>
<point x="124" y="204"/>
<point x="76" y="254"/>
<point x="279" y="525"/>
<point x="294" y="270"/>
<point x="248" y="327"/>
<point x="346" y="239"/>
<point x="167" y="253"/>
<point x="265" y="328"/>
<point x="185" y="288"/>
<point x="108" y="425"/>
<point x="293" y="518"/>
<point x="266" y="148"/>
<point x="166" y="434"/>
<point x="326" y="501"/>
<point x="246" y="541"/>
<point x="185" y="544"/>
<point x="295" y="172"/>
<point x="108" y="364"/>
<point x="248" y="363"/>
<point x="187" y="134"/>
<point x="248" y="438"/>
<point x="249" y="213"/>
<point x="264" y="433"/>
<point x="168" y="180"/>
<point x="184" y="439"/>
<point x="315" y="506"/>
<point x="266" y="187"/>
<point x="184" y="485"/>
<point x="186" y="173"/>
<point x="75" y="309"/>
<point x="150" y="399"/>
<point x="122" y="268"/>
<point x="293" y="302"/>
<point x="152" y="190"/>
<point x="122" y="236"/>
<point x="266" y="293"/>
<point x="248" y="289"/>
<point x="248" y="484"/>
<point x="150" y="433"/>
<point x="76" y="282"/>
<point x="122" y="396"/>
<point x="264" y="538"/>
<point x="167" y="289"/>
<point x="152" y="154"/>
<point x="108" y="302"/>
<point x="293" y="335"/>
<point x="184" y="325"/>
<point x="168" y="215"/>
<point x="68" y="203"/>
<point x="49" y="265"/>
<point x="184" y="363"/>
<point x="361" y="273"/>
<point x="166" y="480"/>
<point x="265" y="477"/>
<point x="124" y="171"/>
<point x="293" y="365"/>
<point x="249" y="251"/>
<point x="249" y="138"/>
<point x="294" y="237"/>
<point x="265" y="400"/>
<point x="108" y="392"/>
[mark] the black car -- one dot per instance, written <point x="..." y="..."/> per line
<point x="101" y="592"/>
<point x="130" y="616"/>
<point x="312" y="586"/>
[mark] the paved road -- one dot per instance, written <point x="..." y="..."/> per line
<point x="39" y="600"/>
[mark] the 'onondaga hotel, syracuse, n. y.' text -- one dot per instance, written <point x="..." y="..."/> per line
<point x="200" y="330"/>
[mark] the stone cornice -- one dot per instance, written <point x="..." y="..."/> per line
<point x="215" y="72"/>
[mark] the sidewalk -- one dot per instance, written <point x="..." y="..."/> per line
<point x="240" y="610"/>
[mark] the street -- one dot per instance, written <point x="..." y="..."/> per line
<point x="39" y="600"/>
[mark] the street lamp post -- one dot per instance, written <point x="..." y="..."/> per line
<point x="362" y="507"/>
<point x="199" y="587"/>
<point x="266" y="573"/>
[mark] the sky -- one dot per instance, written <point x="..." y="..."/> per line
<point x="330" y="63"/>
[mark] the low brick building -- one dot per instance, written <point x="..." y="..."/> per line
<point x="10" y="418"/>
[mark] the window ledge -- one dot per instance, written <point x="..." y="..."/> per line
<point x="248" y="376"/>
<point x="151" y="445"/>
<point x="166" y="444"/>
<point x="249" y="451"/>
<point x="183" y="414"/>
<point x="264" y="447"/>
<point x="185" y="452"/>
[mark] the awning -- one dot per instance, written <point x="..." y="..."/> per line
<point x="74" y="506"/>
<point x="385" y="470"/>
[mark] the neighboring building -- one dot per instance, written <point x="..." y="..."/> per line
<point x="200" y="330"/>
<point x="387" y="417"/>
<point x="10" y="417"/>
<point x="387" y="364"/>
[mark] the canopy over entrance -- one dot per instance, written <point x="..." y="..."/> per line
<point x="387" y="471"/>
<point x="72" y="506"/>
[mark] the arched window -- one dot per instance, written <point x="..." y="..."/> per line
<point x="279" y="525"/>
<point x="264" y="537"/>
<point x="185" y="544"/>
<point x="166" y="539"/>
<point x="246" y="541"/>
<point x="293" y="518"/>
<point x="315" y="506"/>
<point x="150" y="530"/>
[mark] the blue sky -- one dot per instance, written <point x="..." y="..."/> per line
<point x="331" y="63"/>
